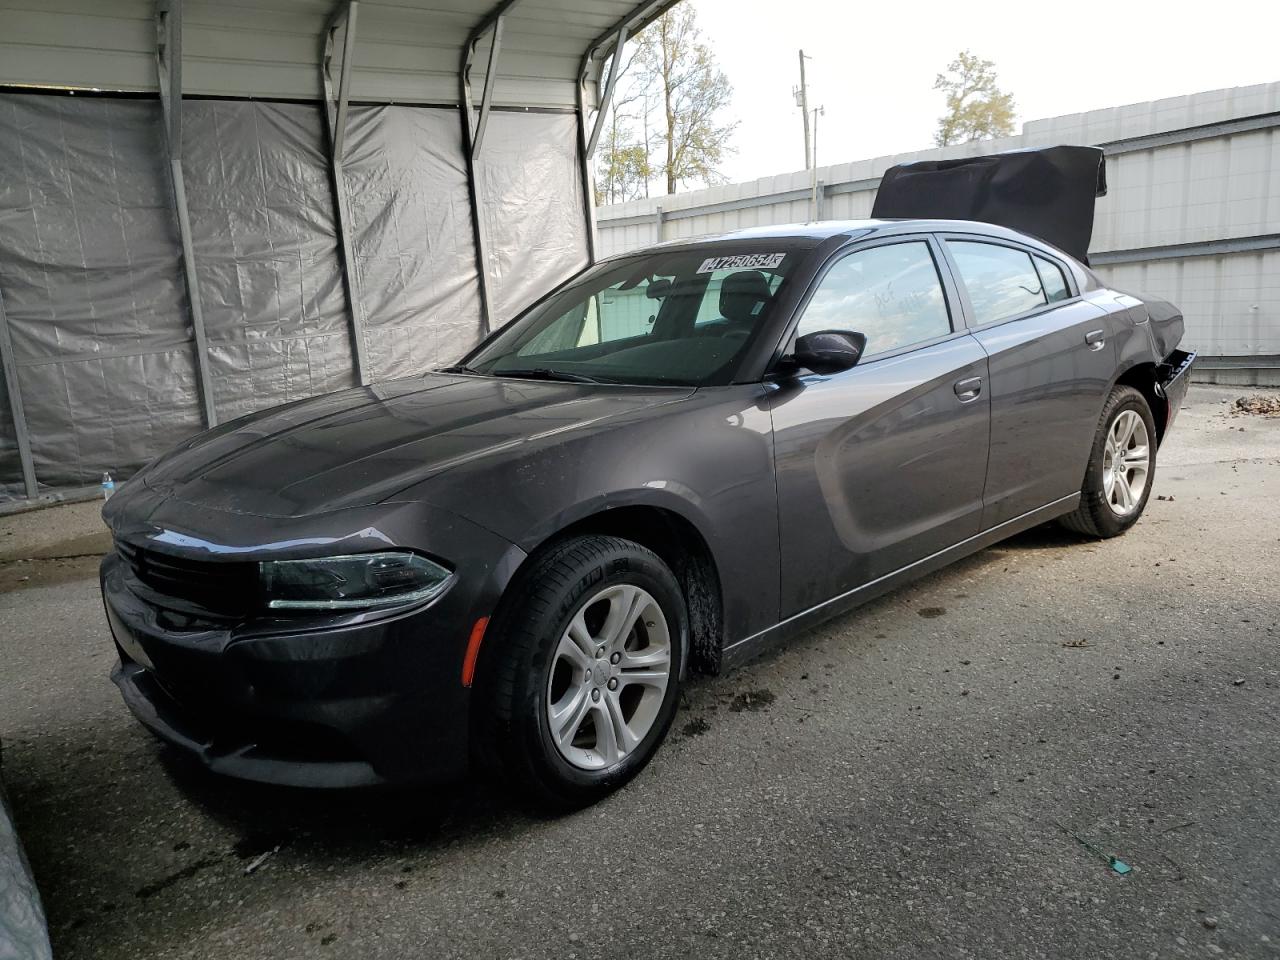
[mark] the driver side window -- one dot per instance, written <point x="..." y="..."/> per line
<point x="891" y="293"/>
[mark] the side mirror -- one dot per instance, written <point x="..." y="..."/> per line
<point x="829" y="351"/>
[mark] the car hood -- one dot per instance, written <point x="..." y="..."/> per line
<point x="364" y="445"/>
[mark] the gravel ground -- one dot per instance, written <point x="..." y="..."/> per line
<point x="942" y="773"/>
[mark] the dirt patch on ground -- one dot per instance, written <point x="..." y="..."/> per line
<point x="752" y="700"/>
<point x="51" y="564"/>
<point x="23" y="574"/>
<point x="1259" y="405"/>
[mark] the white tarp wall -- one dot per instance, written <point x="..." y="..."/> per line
<point x="122" y="333"/>
<point x="91" y="275"/>
<point x="1192" y="213"/>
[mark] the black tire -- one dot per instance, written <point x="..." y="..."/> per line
<point x="513" y="736"/>
<point x="1094" y="517"/>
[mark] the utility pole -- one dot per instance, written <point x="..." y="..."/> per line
<point x="801" y="94"/>
<point x="813" y="172"/>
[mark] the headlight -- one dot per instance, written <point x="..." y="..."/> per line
<point x="360" y="580"/>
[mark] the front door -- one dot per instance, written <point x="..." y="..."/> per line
<point x="883" y="464"/>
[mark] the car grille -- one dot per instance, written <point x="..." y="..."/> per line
<point x="229" y="587"/>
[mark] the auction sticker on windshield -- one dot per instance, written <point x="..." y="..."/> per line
<point x="746" y="261"/>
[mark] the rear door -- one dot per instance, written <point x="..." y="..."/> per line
<point x="1051" y="362"/>
<point x="883" y="464"/>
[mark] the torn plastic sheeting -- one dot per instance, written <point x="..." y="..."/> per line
<point x="266" y="252"/>
<point x="412" y="233"/>
<point x="91" y="274"/>
<point x="531" y="186"/>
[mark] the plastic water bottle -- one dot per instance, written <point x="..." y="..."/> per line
<point x="108" y="486"/>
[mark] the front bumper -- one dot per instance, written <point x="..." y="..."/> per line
<point x="324" y="701"/>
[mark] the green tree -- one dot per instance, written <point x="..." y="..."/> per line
<point x="691" y="90"/>
<point x="977" y="109"/>
<point x="623" y="172"/>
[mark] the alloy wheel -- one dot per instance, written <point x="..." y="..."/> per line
<point x="1126" y="463"/>
<point x="608" y="677"/>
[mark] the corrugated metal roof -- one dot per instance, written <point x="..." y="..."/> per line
<point x="407" y="51"/>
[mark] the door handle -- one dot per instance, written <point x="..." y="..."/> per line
<point x="968" y="389"/>
<point x="1096" y="339"/>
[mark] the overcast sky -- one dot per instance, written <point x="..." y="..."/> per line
<point x="874" y="63"/>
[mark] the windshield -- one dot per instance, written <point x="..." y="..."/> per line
<point x="680" y="317"/>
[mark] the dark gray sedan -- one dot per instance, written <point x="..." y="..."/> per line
<point x="673" y="461"/>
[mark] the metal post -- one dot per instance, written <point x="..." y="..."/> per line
<point x="819" y="199"/>
<point x="606" y="98"/>
<point x="587" y="141"/>
<point x="472" y="137"/>
<point x="660" y="219"/>
<point x="490" y="79"/>
<point x="169" y="74"/>
<point x="813" y="171"/>
<point x="344" y="18"/>
<point x="584" y="168"/>
<point x="803" y="96"/>
<point x="10" y="366"/>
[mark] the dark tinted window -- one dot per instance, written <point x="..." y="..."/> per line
<point x="672" y="317"/>
<point x="891" y="293"/>
<point x="1001" y="281"/>
<point x="1055" y="284"/>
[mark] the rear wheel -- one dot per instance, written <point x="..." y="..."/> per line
<point x="583" y="679"/>
<point x="1122" y="466"/>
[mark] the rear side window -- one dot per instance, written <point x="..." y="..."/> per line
<point x="891" y="293"/>
<point x="1055" y="284"/>
<point x="1002" y="282"/>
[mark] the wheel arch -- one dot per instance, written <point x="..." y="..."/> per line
<point x="679" y="542"/>
<point x="1141" y="376"/>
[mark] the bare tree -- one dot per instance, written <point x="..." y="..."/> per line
<point x="623" y="170"/>
<point x="976" y="108"/>
<point x="692" y="90"/>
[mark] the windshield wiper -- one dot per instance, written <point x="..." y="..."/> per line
<point x="459" y="368"/>
<point x="545" y="373"/>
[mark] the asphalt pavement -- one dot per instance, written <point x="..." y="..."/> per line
<point x="964" y="768"/>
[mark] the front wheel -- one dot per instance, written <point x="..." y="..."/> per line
<point x="584" y="676"/>
<point x="1122" y="466"/>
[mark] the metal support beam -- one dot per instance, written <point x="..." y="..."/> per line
<point x="490" y="80"/>
<point x="587" y="173"/>
<point x="1208" y="131"/>
<point x="1181" y="251"/>
<point x="473" y="137"/>
<point x="612" y="40"/>
<point x="336" y="99"/>
<point x="9" y="364"/>
<point x="606" y="97"/>
<point x="169" y="74"/>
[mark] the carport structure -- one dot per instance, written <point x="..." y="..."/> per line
<point x="207" y="208"/>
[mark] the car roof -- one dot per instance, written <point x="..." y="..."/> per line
<point x="817" y="231"/>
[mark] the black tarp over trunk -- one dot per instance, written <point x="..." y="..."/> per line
<point x="1048" y="193"/>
